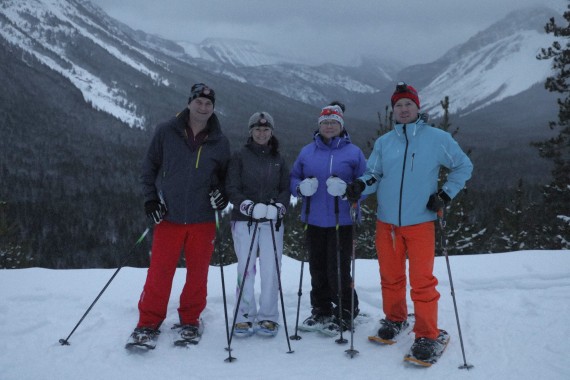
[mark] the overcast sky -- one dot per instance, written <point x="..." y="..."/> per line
<point x="412" y="31"/>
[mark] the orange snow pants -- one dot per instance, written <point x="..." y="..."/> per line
<point x="169" y="239"/>
<point x="417" y="242"/>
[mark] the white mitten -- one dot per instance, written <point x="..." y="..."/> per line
<point x="336" y="186"/>
<point x="308" y="186"/>
<point x="259" y="211"/>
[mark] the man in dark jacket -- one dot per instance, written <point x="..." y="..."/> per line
<point x="183" y="179"/>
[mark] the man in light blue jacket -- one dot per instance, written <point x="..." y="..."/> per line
<point x="403" y="171"/>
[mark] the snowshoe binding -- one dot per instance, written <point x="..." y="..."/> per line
<point x="188" y="334"/>
<point x="243" y="329"/>
<point x="267" y="328"/>
<point x="315" y="322"/>
<point x="143" y="337"/>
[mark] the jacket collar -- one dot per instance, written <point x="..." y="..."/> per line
<point x="411" y="128"/>
<point x="335" y="143"/>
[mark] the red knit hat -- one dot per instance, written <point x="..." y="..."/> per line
<point x="405" y="91"/>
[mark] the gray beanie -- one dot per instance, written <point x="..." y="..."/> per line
<point x="261" y="119"/>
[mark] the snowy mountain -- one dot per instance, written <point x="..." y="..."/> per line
<point x="263" y="66"/>
<point x="44" y="29"/>
<point x="236" y="52"/>
<point x="495" y="64"/>
<point x="136" y="77"/>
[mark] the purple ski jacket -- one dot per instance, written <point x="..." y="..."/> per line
<point x="340" y="158"/>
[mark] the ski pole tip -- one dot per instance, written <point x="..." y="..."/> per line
<point x="230" y="359"/>
<point x="64" y="342"/>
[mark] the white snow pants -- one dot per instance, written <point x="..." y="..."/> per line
<point x="269" y="285"/>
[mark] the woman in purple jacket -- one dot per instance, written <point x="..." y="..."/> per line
<point x="320" y="174"/>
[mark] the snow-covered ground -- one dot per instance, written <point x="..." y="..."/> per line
<point x="514" y="312"/>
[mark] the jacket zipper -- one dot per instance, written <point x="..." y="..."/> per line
<point x="198" y="157"/>
<point x="402" y="181"/>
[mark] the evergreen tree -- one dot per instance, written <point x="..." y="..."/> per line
<point x="12" y="254"/>
<point x="556" y="207"/>
<point x="515" y="223"/>
<point x="463" y="236"/>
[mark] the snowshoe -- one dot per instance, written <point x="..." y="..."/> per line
<point x="389" y="330"/>
<point x="267" y="328"/>
<point x="335" y="325"/>
<point x="315" y="322"/>
<point x="143" y="337"/>
<point x="188" y="334"/>
<point x="243" y="329"/>
<point x="425" y="352"/>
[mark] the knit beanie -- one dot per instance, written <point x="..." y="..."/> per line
<point x="200" y="90"/>
<point x="332" y="113"/>
<point x="261" y="119"/>
<point x="405" y="91"/>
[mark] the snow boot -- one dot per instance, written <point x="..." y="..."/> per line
<point x="389" y="329"/>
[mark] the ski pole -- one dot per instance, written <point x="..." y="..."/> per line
<point x="354" y="216"/>
<point x="280" y="288"/>
<point x="300" y="292"/>
<point x="441" y="217"/>
<point x="221" y="260"/>
<point x="340" y="340"/>
<point x="65" y="342"/>
<point x="230" y="358"/>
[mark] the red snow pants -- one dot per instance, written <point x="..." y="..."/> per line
<point x="417" y="242"/>
<point x="169" y="239"/>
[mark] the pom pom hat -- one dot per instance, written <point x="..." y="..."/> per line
<point x="333" y="112"/>
<point x="405" y="91"/>
<point x="200" y="90"/>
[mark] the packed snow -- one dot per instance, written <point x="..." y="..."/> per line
<point x="513" y="311"/>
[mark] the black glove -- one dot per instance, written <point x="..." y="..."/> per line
<point x="155" y="211"/>
<point x="354" y="190"/>
<point x="218" y="200"/>
<point x="438" y="201"/>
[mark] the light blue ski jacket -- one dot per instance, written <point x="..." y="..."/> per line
<point x="403" y="171"/>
